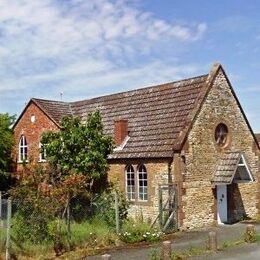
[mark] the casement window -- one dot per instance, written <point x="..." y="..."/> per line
<point x="142" y="183"/>
<point x="136" y="183"/>
<point x="23" y="149"/>
<point x="42" y="153"/>
<point x="130" y="182"/>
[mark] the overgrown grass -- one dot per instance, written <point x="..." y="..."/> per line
<point x="257" y="237"/>
<point x="86" y="238"/>
<point x="228" y="244"/>
<point x="93" y="233"/>
<point x="89" y="235"/>
<point x="2" y="237"/>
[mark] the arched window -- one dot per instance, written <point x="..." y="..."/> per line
<point x="221" y="134"/>
<point x="142" y="183"/>
<point x="130" y="182"/>
<point x="42" y="154"/>
<point x="23" y="149"/>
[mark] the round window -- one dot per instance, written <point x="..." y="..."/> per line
<point x="221" y="134"/>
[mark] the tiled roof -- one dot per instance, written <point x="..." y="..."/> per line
<point x="226" y="168"/>
<point x="156" y="115"/>
<point x="159" y="117"/>
<point x="54" y="109"/>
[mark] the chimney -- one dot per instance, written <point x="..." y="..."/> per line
<point x="121" y="131"/>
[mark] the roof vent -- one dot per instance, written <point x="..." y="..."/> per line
<point x="121" y="131"/>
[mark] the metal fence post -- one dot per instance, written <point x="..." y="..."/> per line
<point x="8" y="226"/>
<point x="1" y="221"/>
<point x="1" y="205"/>
<point x="117" y="213"/>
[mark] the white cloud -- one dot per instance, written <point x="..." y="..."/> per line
<point x="63" y="44"/>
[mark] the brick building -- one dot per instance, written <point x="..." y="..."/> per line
<point x="189" y="137"/>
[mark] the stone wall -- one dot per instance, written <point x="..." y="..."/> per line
<point x="157" y="172"/>
<point x="203" y="154"/>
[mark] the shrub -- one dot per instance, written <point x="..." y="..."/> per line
<point x="32" y="228"/>
<point x="104" y="207"/>
<point x="133" y="231"/>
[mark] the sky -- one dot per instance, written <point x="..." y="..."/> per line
<point x="88" y="48"/>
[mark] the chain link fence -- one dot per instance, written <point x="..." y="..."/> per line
<point x="5" y="224"/>
<point x="33" y="228"/>
<point x="16" y="232"/>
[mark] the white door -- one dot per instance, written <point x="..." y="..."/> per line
<point x="222" y="203"/>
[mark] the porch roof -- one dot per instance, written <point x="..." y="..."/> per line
<point x="227" y="168"/>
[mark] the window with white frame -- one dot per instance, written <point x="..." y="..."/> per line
<point x="130" y="182"/>
<point x="23" y="149"/>
<point x="136" y="183"/>
<point x="142" y="183"/>
<point x="42" y="154"/>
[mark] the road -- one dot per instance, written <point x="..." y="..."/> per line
<point x="195" y="238"/>
<point x="244" y="252"/>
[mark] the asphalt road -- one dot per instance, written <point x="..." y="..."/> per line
<point x="195" y="238"/>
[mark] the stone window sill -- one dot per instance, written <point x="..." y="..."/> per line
<point x="20" y="162"/>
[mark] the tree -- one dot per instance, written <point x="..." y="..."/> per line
<point x="78" y="156"/>
<point x="79" y="149"/>
<point x="6" y="141"/>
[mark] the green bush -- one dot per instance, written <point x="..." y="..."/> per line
<point x="138" y="231"/>
<point x="32" y="228"/>
<point x="104" y="207"/>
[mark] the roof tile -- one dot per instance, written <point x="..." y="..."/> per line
<point x="156" y="115"/>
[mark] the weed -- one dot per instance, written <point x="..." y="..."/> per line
<point x="154" y="254"/>
<point x="192" y="251"/>
<point x="133" y="231"/>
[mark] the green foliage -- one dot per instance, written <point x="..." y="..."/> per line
<point x="138" y="231"/>
<point x="36" y="206"/>
<point x="32" y="227"/>
<point x="79" y="148"/>
<point x="257" y="237"/>
<point x="104" y="207"/>
<point x="77" y="161"/>
<point x="154" y="254"/>
<point x="6" y="141"/>
<point x="94" y="232"/>
<point x="190" y="252"/>
<point x="90" y="235"/>
<point x="80" y="207"/>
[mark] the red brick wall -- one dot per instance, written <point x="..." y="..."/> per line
<point x="32" y="131"/>
<point x="121" y="131"/>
